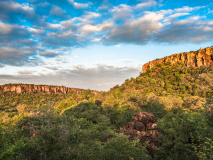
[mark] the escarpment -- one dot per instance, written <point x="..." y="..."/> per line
<point x="42" y="89"/>
<point x="202" y="57"/>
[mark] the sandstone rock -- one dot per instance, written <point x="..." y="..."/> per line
<point x="128" y="125"/>
<point x="44" y="89"/>
<point x="144" y="129"/>
<point x="202" y="57"/>
<point x="151" y="126"/>
<point x="144" y="117"/>
<point x="18" y="89"/>
<point x="136" y="125"/>
<point x="139" y="126"/>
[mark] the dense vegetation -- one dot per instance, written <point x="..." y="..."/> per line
<point x="82" y="126"/>
<point x="175" y="86"/>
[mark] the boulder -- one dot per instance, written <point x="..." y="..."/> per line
<point x="144" y="117"/>
<point x="128" y="125"/>
<point x="151" y="126"/>
<point x="142" y="128"/>
<point x="136" y="125"/>
<point x="139" y="126"/>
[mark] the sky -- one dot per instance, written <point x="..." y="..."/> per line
<point x="96" y="44"/>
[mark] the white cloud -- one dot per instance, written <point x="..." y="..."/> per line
<point x="55" y="10"/>
<point x="209" y="22"/>
<point x="208" y="29"/>
<point x="195" y="18"/>
<point x="178" y="15"/>
<point x="79" y="5"/>
<point x="147" y="24"/>
<point x="44" y="4"/>
<point x="187" y="9"/>
<point x="198" y="39"/>
<point x="48" y="53"/>
<point x="92" y="28"/>
<point x="14" y="56"/>
<point x="53" y="26"/>
<point x="145" y="4"/>
<point x="66" y="34"/>
<point x="122" y="11"/>
<point x="90" y="15"/>
<point x="24" y="6"/>
<point x="5" y="28"/>
<point x="210" y="11"/>
<point x="67" y="23"/>
<point x="39" y="31"/>
<point x="183" y="22"/>
<point x="96" y="40"/>
<point x="105" y="5"/>
<point x="137" y="30"/>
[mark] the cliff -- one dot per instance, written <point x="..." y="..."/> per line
<point x="33" y="89"/>
<point x="202" y="57"/>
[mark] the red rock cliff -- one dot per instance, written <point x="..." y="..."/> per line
<point x="32" y="89"/>
<point x="202" y="57"/>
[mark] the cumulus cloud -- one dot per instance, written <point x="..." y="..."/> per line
<point x="178" y="15"/>
<point x="122" y="11"/>
<point x="24" y="6"/>
<point x="146" y="4"/>
<point x="79" y="5"/>
<point x="5" y="28"/>
<point x="92" y="28"/>
<point x="53" y="26"/>
<point x="208" y="29"/>
<point x="48" y="53"/>
<point x="11" y="7"/>
<point x="57" y="11"/>
<point x="13" y="56"/>
<point x="183" y="32"/>
<point x="42" y="28"/>
<point x="137" y="30"/>
<point x="104" y="5"/>
<point x="187" y="8"/>
<point x="34" y="30"/>
<point x="159" y="26"/>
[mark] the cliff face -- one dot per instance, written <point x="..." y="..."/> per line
<point x="203" y="57"/>
<point x="33" y="89"/>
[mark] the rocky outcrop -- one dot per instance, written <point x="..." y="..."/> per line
<point x="45" y="89"/>
<point x="143" y="128"/>
<point x="202" y="57"/>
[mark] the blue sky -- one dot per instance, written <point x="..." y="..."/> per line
<point x="95" y="44"/>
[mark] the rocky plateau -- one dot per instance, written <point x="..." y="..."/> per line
<point x="33" y="89"/>
<point x="202" y="57"/>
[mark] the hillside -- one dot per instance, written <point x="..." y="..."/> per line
<point x="173" y="85"/>
<point x="51" y="122"/>
<point x="16" y="99"/>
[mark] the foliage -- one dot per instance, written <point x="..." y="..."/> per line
<point x="81" y="126"/>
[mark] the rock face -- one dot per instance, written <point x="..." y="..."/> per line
<point x="202" y="57"/>
<point x="143" y="128"/>
<point x="33" y="89"/>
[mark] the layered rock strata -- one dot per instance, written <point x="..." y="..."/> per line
<point x="202" y="57"/>
<point x="32" y="89"/>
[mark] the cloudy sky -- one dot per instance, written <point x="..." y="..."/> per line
<point x="95" y="44"/>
